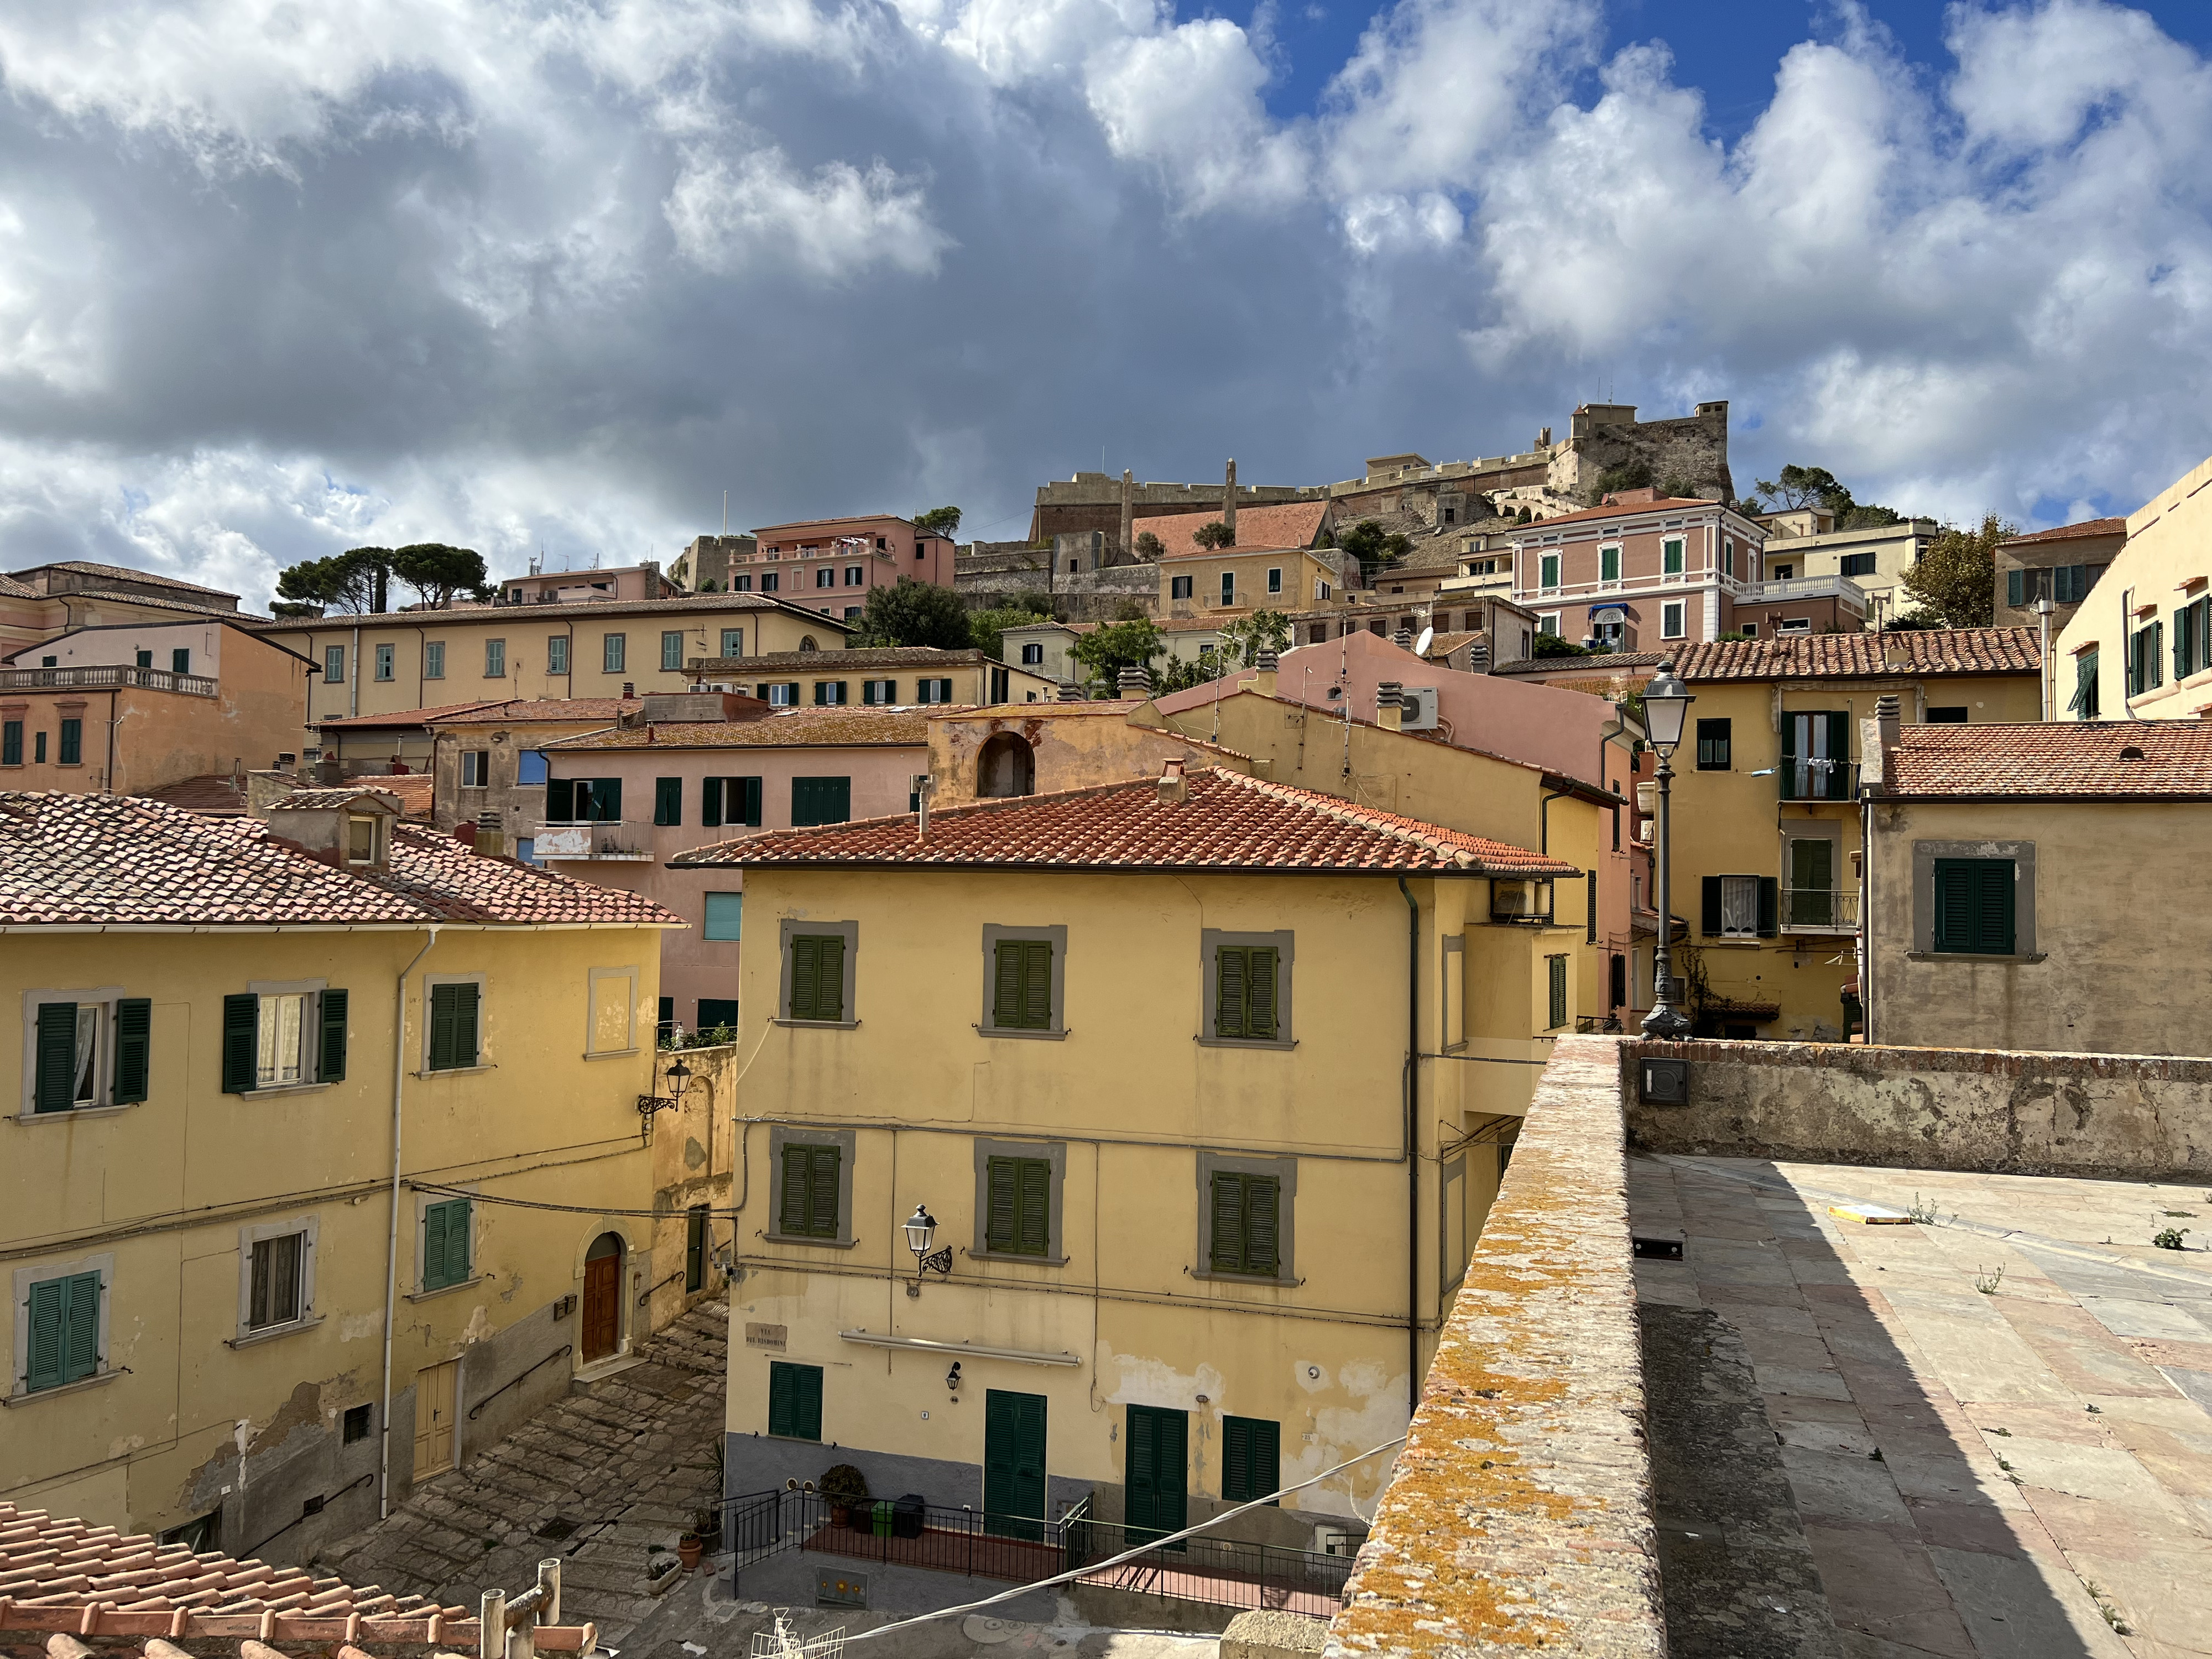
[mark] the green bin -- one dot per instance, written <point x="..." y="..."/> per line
<point x="883" y="1511"/>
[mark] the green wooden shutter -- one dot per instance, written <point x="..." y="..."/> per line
<point x="1251" y="1458"/>
<point x="452" y="1027"/>
<point x="1558" y="989"/>
<point x="710" y="803"/>
<point x="2014" y="582"/>
<point x="1002" y="1198"/>
<point x="695" y="1249"/>
<point x="822" y="1190"/>
<point x="446" y="1245"/>
<point x="1838" y="785"/>
<point x="465" y="1024"/>
<point x="57" y="1069"/>
<point x="441" y="1028"/>
<point x="1709" y="920"/>
<point x="1262" y="1225"/>
<point x="1233" y="973"/>
<point x="49" y="1333"/>
<point x="134" y="1047"/>
<point x="795" y="1401"/>
<point x="241" y="1021"/>
<point x="1013" y="1464"/>
<point x="1263" y="965"/>
<point x="1007" y="986"/>
<point x="749" y="811"/>
<point x="806" y="966"/>
<point x="818" y="977"/>
<point x="1791" y="789"/>
<point x="333" y="1056"/>
<point x="667" y="801"/>
<point x="80" y="1334"/>
<point x="779" y="1398"/>
<point x="1227" y="1254"/>
<point x="792" y="1218"/>
<point x="1993" y="907"/>
<point x="1033" y="1232"/>
<point x="1770" y="905"/>
<point x="560" y="800"/>
<point x="1037" y="984"/>
<point x="1158" y="1461"/>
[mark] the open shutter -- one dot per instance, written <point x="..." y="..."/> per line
<point x="1034" y="1236"/>
<point x="749" y="809"/>
<point x="1266" y="1454"/>
<point x="434" y="1270"/>
<point x="793" y="1215"/>
<point x="1839" y="748"/>
<point x="1227" y="1254"/>
<point x="606" y="800"/>
<point x="1007" y="987"/>
<point x="81" y="1343"/>
<point x="560" y="800"/>
<point x="779" y="1398"/>
<point x="1233" y="968"/>
<point x="695" y="1249"/>
<point x="134" y="1047"/>
<point x="1262" y="966"/>
<point x="829" y="978"/>
<point x="1710" y="917"/>
<point x="2013" y="580"/>
<point x="1262" y="1208"/>
<point x="56" y="1074"/>
<point x="333" y="1057"/>
<point x="1770" y="905"/>
<point x="465" y="1024"/>
<point x="49" y="1323"/>
<point x="710" y="803"/>
<point x="241" y="1019"/>
<point x="1002" y="1184"/>
<point x="822" y="1190"/>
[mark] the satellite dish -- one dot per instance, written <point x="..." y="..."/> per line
<point x="1421" y="644"/>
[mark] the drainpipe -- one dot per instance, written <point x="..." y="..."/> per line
<point x="111" y="717"/>
<point x="1544" y="818"/>
<point x="391" y="1240"/>
<point x="1865" y="913"/>
<point x="1413" y="1149"/>
<point x="353" y="669"/>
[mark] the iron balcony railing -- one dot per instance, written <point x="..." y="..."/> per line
<point x="1814" y="779"/>
<point x="1819" y="910"/>
<point x="108" y="678"/>
<point x="599" y="840"/>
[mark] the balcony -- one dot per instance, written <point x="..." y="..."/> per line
<point x="601" y="842"/>
<point x="107" y="677"/>
<point x="1817" y="778"/>
<point x="1819" y="910"/>
<point x="1798" y="589"/>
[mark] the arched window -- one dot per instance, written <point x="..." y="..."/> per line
<point x="1007" y="766"/>
<point x="806" y="643"/>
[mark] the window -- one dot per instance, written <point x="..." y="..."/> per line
<point x="882" y="693"/>
<point x="282" y="1036"/>
<point x="1032" y="654"/>
<point x="434" y="659"/>
<point x="1609" y="564"/>
<point x="1021" y="979"/>
<point x="695" y="1249"/>
<point x="821" y="800"/>
<point x="181" y="660"/>
<point x="1251" y="1459"/>
<point x="275" y="1280"/>
<point x="2071" y="583"/>
<point x="1809" y="863"/>
<point x="1793" y="625"/>
<point x="1749" y="629"/>
<point x="2192" y="634"/>
<point x="1018" y="1205"/>
<point x="825" y="576"/>
<point x="1953" y="716"/>
<point x="614" y="652"/>
<point x="1247" y="987"/>
<point x="852" y="613"/>
<point x="1973" y="910"/>
<point x="448" y="1245"/>
<point x="741" y="584"/>
<point x="384" y="656"/>
<point x="1783" y="572"/>
<point x="583" y="800"/>
<point x="88" y="1054"/>
<point x="2146" y="658"/>
<point x="1557" y="975"/>
<point x="667" y="802"/>
<point x="1245" y="1238"/>
<point x="1275" y="579"/>
<point x="1547" y="623"/>
<point x="795" y="1401"/>
<point x="726" y="916"/>
<point x="1229" y="588"/>
<point x="855" y="574"/>
<point x="771" y="582"/>
<point x="1670" y="556"/>
<point x="1858" y="564"/>
<point x="358" y="1424"/>
<point x="494" y="660"/>
<point x="39" y="748"/>
<point x="1179" y="587"/>
<point x="829" y="694"/>
<point x="1741" y="907"/>
<point x="730" y="800"/>
<point x="2084" y="700"/>
<point x="11" y="743"/>
<point x="613" y="1012"/>
<point x="779" y="694"/>
<point x="933" y="691"/>
<point x="1548" y="571"/>
<point x="809" y="1206"/>
<point x="1728" y="556"/>
<point x="72" y="748"/>
<point x="334" y="665"/>
<point x="453" y="1034"/>
<point x="1715" y="745"/>
<point x="476" y="768"/>
<point x="818" y="972"/>
<point x="61" y="1329"/>
<point x="734" y="642"/>
<point x="1321" y="589"/>
<point x="716" y="1013"/>
<point x="1670" y="620"/>
<point x="1815" y="758"/>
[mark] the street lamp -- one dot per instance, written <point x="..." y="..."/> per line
<point x="921" y="1234"/>
<point x="678" y="1073"/>
<point x="1667" y="702"/>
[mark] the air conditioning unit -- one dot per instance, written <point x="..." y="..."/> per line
<point x="1417" y="705"/>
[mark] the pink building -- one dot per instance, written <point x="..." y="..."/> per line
<point x="619" y="803"/>
<point x="829" y="564"/>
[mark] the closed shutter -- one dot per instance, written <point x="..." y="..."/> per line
<point x="446" y="1245"/>
<point x="452" y="1027"/>
<point x="818" y="977"/>
<point x="241" y="1018"/>
<point x="695" y="1249"/>
<point x="795" y="1401"/>
<point x="1021" y="996"/>
<point x="667" y="801"/>
<point x="1262" y="966"/>
<point x="1233" y="968"/>
<point x="134" y="1048"/>
<point x="1019" y="1200"/>
<point x="1227" y="1254"/>
<point x="1251" y="1458"/>
<point x="1589" y="919"/>
<point x="1013" y="1464"/>
<point x="710" y="802"/>
<point x="57" y="1071"/>
<point x="1993" y="906"/>
<point x="747" y="809"/>
<point x="1558" y="992"/>
<point x="64" y="1331"/>
<point x="333" y="1060"/>
<point x="1246" y="1215"/>
<point x="810" y="1182"/>
<point x="1974" y="906"/>
<point x="1709" y="918"/>
<point x="1770" y="905"/>
<point x="1158" y="1459"/>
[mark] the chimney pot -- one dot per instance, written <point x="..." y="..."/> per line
<point x="1136" y="682"/>
<point x="630" y="690"/>
<point x="1390" y="710"/>
<point x="1172" y="789"/>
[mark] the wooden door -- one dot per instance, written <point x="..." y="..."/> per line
<point x="436" y="1391"/>
<point x="602" y="1306"/>
<point x="1014" y="1464"/>
<point x="1156" y="1461"/>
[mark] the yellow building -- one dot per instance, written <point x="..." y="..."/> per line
<point x="282" y="1082"/>
<point x="391" y="662"/>
<point x="1181" y="1070"/>
<point x="1238" y="580"/>
<point x="876" y="676"/>
<point x="2139" y="647"/>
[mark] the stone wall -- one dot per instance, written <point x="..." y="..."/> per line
<point x="2126" y="1116"/>
<point x="995" y="578"/>
<point x="1520" y="1514"/>
<point x="1692" y="448"/>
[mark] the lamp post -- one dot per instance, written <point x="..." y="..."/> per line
<point x="1667" y="702"/>
<point x="921" y="1234"/>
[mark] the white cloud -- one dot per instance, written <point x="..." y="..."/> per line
<point x="837" y="224"/>
<point x="1188" y="102"/>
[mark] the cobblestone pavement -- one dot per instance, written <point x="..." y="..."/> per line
<point x="624" y="1467"/>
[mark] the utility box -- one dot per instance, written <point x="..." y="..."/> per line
<point x="1417" y="706"/>
<point x="1663" y="1082"/>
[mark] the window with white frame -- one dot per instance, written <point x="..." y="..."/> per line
<point x="476" y="768"/>
<point x="282" y="1048"/>
<point x="275" y="1275"/>
<point x="1548" y="571"/>
<point x="85" y="1049"/>
<point x="1739" y="906"/>
<point x="1670" y="556"/>
<point x="1670" y="620"/>
<point x="283" y="1036"/>
<point x="1608" y="563"/>
<point x="1548" y="623"/>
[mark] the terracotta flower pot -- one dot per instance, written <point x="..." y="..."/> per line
<point x="840" y="1515"/>
<point x="688" y="1548"/>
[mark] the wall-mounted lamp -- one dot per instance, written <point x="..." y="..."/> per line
<point x="921" y="1233"/>
<point x="952" y="1376"/>
<point x="679" y="1075"/>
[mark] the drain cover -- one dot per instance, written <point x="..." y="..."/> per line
<point x="554" y="1531"/>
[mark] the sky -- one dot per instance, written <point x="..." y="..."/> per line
<point x="550" y="276"/>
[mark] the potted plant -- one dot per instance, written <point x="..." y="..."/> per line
<point x="846" y="1489"/>
<point x="660" y="1569"/>
<point x="689" y="1548"/>
<point x="706" y="1523"/>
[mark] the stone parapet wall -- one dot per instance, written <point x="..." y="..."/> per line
<point x="1520" y="1513"/>
<point x="1080" y="596"/>
<point x="2128" y="1116"/>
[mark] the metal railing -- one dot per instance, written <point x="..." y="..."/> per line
<point x="1819" y="910"/>
<point x="109" y="677"/>
<point x="1802" y="587"/>
<point x="597" y="840"/>
<point x="1223" y="1572"/>
<point x="1814" y="779"/>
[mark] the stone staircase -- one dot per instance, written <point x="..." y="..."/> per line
<point x="592" y="1479"/>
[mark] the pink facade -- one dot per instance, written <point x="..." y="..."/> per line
<point x="1639" y="575"/>
<point x="829" y="564"/>
<point x="629" y="583"/>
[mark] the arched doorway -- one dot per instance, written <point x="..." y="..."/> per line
<point x="603" y="1278"/>
<point x="1007" y="766"/>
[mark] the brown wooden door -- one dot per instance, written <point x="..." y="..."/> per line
<point x="436" y="1390"/>
<point x="602" y="1306"/>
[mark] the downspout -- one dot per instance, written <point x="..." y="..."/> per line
<point x="392" y="1239"/>
<point x="1413" y="1149"/>
<point x="1866" y="915"/>
<point x="353" y="676"/>
<point x="1544" y="819"/>
<point x="111" y="717"/>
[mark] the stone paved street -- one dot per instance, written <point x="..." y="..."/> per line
<point x="622" y="1467"/>
<point x="1996" y="1428"/>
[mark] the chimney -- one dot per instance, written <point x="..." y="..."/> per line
<point x="630" y="690"/>
<point x="1229" y="503"/>
<point x="1390" y="698"/>
<point x="491" y="840"/>
<point x="1069" y="691"/>
<point x="1263" y="679"/>
<point x="1171" y="790"/>
<point x="1128" y="515"/>
<point x="921" y="786"/>
<point x="1878" y="740"/>
<point x="1403" y="639"/>
<point x="1544" y="439"/>
<point x="1136" y="682"/>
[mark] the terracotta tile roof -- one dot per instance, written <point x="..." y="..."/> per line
<point x="1227" y="823"/>
<point x="874" y="656"/>
<point x="704" y="603"/>
<point x="401" y="717"/>
<point x="1288" y="525"/>
<point x="124" y="573"/>
<point x="1675" y="504"/>
<point x="796" y="728"/>
<point x="66" y="1576"/>
<point x="2068" y="531"/>
<point x="2094" y="760"/>
<point x="123" y="860"/>
<point x="12" y="589"/>
<point x="520" y="710"/>
<point x="210" y="795"/>
<point x="1603" y="663"/>
<point x="1864" y="656"/>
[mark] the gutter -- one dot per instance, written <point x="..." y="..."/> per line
<point x="1412" y="1148"/>
<point x="392" y="1239"/>
<point x="959" y="1350"/>
<point x="414" y="927"/>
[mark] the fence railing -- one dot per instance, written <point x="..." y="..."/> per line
<point x="1820" y="909"/>
<point x="597" y="840"/>
<point x="105" y="677"/>
<point x="1816" y="779"/>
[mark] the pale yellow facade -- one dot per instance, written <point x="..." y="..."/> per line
<point x="2152" y="600"/>
<point x="197" y="1411"/>
<point x="1234" y="582"/>
<point x="1133" y="1109"/>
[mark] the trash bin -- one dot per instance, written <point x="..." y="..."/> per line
<point x="908" y="1515"/>
<point x="884" y="1518"/>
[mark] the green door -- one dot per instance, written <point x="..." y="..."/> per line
<point x="1156" y="1461"/>
<point x="1812" y="883"/>
<point x="1013" y="1464"/>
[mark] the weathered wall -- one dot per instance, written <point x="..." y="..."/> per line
<point x="2099" y="1115"/>
<point x="1692" y="448"/>
<point x="1073" y="746"/>
<point x="1085" y="596"/>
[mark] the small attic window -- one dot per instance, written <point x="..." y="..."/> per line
<point x="2131" y="753"/>
<point x="360" y="841"/>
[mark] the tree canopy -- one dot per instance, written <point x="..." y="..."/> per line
<point x="1214" y="535"/>
<point x="938" y="521"/>
<point x="1554" y="645"/>
<point x="1374" y="547"/>
<point x="915" y="613"/>
<point x="987" y="629"/>
<point x="1815" y="486"/>
<point x="344" y="581"/>
<point x="437" y="571"/>
<point x="1243" y="640"/>
<point x="1955" y="580"/>
<point x="1107" y="651"/>
<point x="1149" y="547"/>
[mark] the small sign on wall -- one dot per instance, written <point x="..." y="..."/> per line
<point x="833" y="1589"/>
<point x="767" y="1336"/>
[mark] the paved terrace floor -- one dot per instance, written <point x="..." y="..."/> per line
<point x="1994" y="1430"/>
